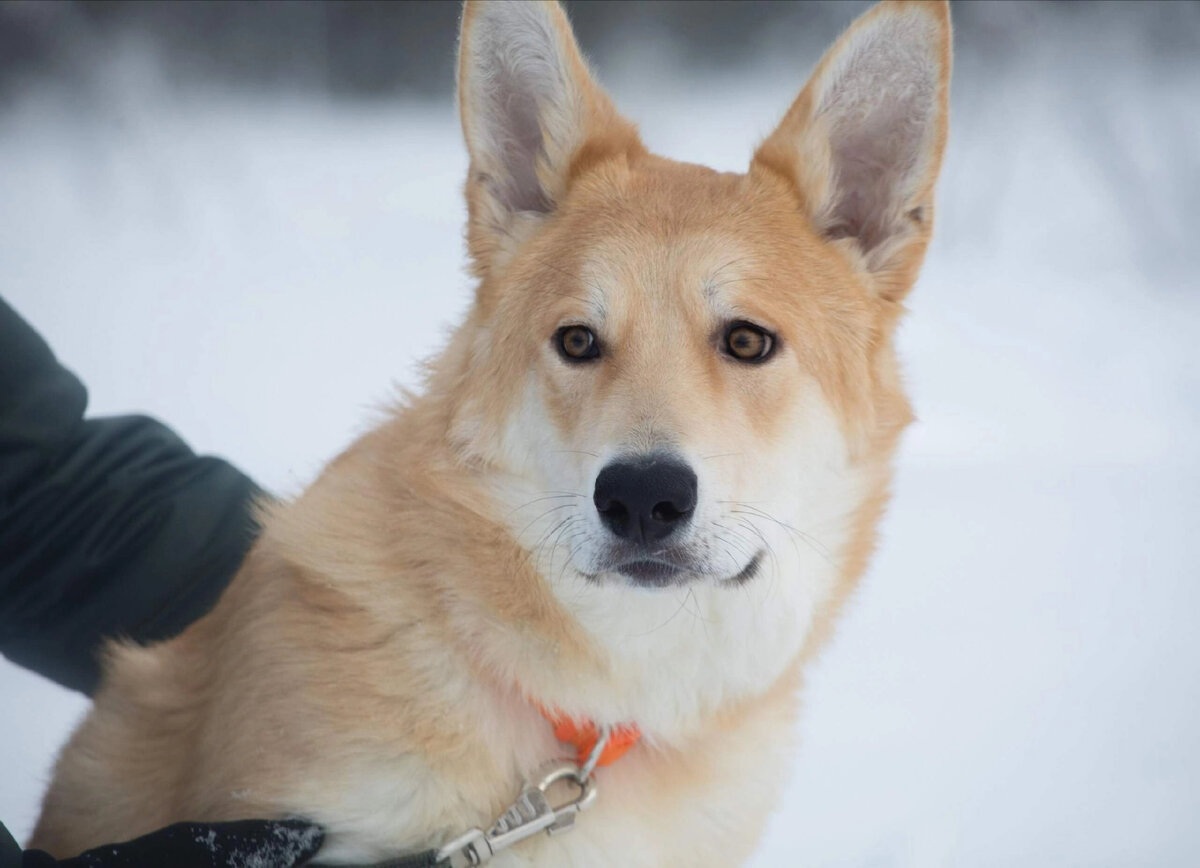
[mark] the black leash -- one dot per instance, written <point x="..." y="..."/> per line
<point x="427" y="859"/>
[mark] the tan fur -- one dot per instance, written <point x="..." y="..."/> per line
<point x="372" y="663"/>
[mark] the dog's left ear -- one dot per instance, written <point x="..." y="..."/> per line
<point x="532" y="116"/>
<point x="863" y="142"/>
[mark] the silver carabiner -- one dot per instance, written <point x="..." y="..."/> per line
<point x="564" y="814"/>
<point x="531" y="813"/>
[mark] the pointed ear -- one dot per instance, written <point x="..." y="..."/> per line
<point x="863" y="142"/>
<point x="531" y="116"/>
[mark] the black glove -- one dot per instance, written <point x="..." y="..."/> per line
<point x="240" y="844"/>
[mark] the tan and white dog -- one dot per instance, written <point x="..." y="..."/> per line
<point x="642" y="478"/>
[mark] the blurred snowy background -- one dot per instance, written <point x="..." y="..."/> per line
<point x="245" y="220"/>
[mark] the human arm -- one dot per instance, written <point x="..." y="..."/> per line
<point x="108" y="527"/>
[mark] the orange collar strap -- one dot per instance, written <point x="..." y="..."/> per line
<point x="583" y="735"/>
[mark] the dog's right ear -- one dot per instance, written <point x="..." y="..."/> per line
<point x="532" y="117"/>
<point x="863" y="142"/>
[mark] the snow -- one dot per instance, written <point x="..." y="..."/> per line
<point x="1018" y="679"/>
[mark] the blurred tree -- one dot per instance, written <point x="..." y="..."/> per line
<point x="371" y="48"/>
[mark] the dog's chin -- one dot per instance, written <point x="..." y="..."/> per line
<point x="655" y="573"/>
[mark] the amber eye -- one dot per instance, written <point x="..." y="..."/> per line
<point x="577" y="343"/>
<point x="747" y="342"/>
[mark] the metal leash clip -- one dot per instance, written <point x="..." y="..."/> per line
<point x="530" y="814"/>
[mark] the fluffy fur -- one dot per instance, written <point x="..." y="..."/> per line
<point x="373" y="664"/>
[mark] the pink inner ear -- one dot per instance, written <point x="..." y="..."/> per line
<point x="520" y="143"/>
<point x="519" y="85"/>
<point x="879" y="108"/>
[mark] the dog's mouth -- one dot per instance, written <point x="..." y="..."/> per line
<point x="749" y="571"/>
<point x="654" y="573"/>
<point x="658" y="572"/>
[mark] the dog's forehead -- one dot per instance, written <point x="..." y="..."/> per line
<point x="674" y="234"/>
<point x="656" y="274"/>
<point x="667" y="234"/>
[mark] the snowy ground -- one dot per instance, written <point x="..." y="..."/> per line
<point x="1018" y="680"/>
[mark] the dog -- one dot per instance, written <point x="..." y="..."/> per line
<point x="639" y="483"/>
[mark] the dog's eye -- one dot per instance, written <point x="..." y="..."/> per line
<point x="747" y="342"/>
<point x="577" y="343"/>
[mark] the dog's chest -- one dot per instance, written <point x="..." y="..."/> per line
<point x="652" y="809"/>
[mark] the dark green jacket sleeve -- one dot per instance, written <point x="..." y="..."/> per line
<point x="108" y="527"/>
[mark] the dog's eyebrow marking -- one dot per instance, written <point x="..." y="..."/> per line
<point x="718" y="300"/>
<point x="713" y="279"/>
<point x="719" y="279"/>
<point x="596" y="301"/>
<point x="595" y="297"/>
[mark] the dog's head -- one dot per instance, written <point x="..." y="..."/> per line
<point x="675" y="373"/>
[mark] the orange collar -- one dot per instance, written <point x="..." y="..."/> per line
<point x="583" y="735"/>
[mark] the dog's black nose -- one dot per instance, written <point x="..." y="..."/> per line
<point x="645" y="501"/>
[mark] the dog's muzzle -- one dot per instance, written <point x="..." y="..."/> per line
<point x="642" y="502"/>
